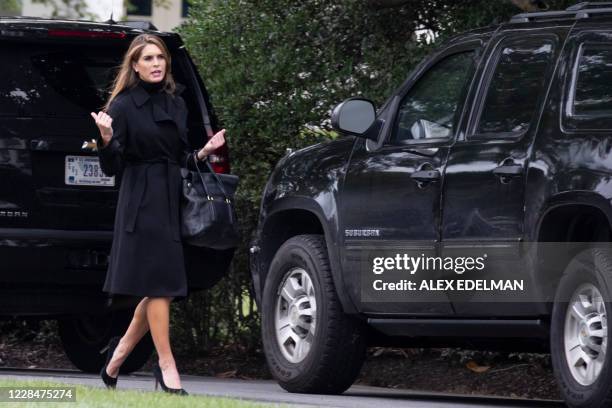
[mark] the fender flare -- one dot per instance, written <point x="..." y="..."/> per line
<point x="586" y="198"/>
<point x="311" y="206"/>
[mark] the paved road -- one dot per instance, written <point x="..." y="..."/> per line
<point x="357" y="396"/>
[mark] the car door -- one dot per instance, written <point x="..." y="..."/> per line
<point x="391" y="193"/>
<point x="485" y="179"/>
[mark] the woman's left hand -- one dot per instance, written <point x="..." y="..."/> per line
<point x="213" y="144"/>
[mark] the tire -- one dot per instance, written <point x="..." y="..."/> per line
<point x="84" y="336"/>
<point x="581" y="344"/>
<point x="332" y="345"/>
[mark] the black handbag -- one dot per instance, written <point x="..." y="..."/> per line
<point x="208" y="218"/>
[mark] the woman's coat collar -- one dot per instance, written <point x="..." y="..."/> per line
<point x="141" y="96"/>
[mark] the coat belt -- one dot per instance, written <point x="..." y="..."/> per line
<point x="137" y="194"/>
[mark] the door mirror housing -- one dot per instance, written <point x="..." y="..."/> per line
<point x="354" y="116"/>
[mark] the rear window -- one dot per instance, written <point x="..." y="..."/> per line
<point x="594" y="82"/>
<point x="54" y="79"/>
<point x="66" y="80"/>
<point x="590" y="99"/>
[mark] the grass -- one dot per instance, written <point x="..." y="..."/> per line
<point x="99" y="397"/>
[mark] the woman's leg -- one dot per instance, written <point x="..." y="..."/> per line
<point x="139" y="326"/>
<point x="158" y="315"/>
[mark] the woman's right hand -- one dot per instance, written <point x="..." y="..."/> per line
<point x="104" y="123"/>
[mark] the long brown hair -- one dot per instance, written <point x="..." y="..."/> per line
<point x="127" y="78"/>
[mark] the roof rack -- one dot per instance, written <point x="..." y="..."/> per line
<point x="138" y="24"/>
<point x="20" y="17"/>
<point x="577" y="11"/>
<point x="587" y="5"/>
<point x="142" y="25"/>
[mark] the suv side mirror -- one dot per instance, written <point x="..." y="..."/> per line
<point x="354" y="116"/>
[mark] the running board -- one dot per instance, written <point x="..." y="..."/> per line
<point x="461" y="328"/>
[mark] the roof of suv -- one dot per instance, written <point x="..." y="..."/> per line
<point x="577" y="11"/>
<point x="37" y="23"/>
<point x="580" y="11"/>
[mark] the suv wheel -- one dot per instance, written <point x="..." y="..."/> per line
<point x="310" y="344"/>
<point x="84" y="336"/>
<point x="580" y="352"/>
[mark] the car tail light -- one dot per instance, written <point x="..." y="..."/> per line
<point x="219" y="160"/>
<point x="85" y="34"/>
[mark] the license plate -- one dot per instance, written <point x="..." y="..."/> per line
<point x="85" y="171"/>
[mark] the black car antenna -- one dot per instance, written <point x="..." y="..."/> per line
<point x="110" y="20"/>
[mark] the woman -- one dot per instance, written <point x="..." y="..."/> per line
<point x="143" y="137"/>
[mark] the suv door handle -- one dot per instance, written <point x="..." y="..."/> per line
<point x="508" y="170"/>
<point x="425" y="176"/>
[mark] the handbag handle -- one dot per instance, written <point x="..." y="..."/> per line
<point x="209" y="133"/>
<point x="218" y="180"/>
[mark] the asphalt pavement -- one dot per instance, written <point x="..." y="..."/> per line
<point x="269" y="393"/>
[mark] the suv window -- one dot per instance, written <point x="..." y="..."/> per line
<point x="429" y="110"/>
<point x="591" y="92"/>
<point x="54" y="80"/>
<point x="67" y="80"/>
<point x="515" y="87"/>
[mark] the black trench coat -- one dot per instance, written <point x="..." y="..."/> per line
<point x="148" y="147"/>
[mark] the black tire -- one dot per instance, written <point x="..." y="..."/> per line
<point x="590" y="267"/>
<point x="84" y="336"/>
<point x="338" y="346"/>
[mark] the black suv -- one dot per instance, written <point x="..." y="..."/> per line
<point x="497" y="146"/>
<point x="56" y="206"/>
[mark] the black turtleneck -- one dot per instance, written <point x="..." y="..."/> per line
<point x="155" y="91"/>
<point x="151" y="87"/>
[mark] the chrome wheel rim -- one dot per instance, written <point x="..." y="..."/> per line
<point x="586" y="334"/>
<point x="295" y="315"/>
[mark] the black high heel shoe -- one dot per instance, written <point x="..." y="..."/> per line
<point x="110" y="382"/>
<point x="159" y="379"/>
